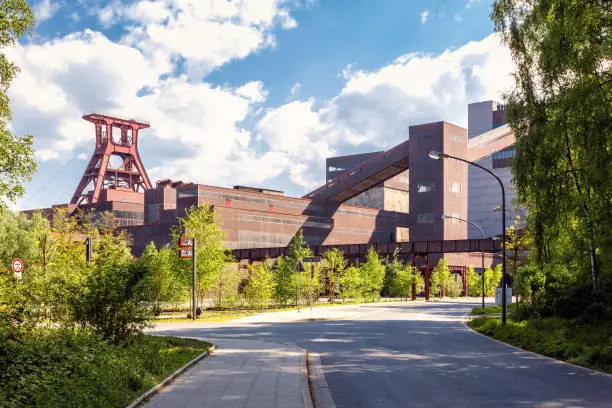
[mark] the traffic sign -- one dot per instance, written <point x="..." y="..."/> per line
<point x="312" y="259"/>
<point x="185" y="253"/>
<point x="17" y="265"/>
<point x="185" y="242"/>
<point x="499" y="297"/>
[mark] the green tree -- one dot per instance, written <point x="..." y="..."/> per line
<point x="351" y="284"/>
<point x="559" y="111"/>
<point x="373" y="275"/>
<point x="284" y="290"/>
<point x="227" y="289"/>
<point x="401" y="283"/>
<point x="531" y="283"/>
<point x="17" y="164"/>
<point x="492" y="279"/>
<point x="212" y="255"/>
<point x="285" y="275"/>
<point x="517" y="243"/>
<point x="161" y="282"/>
<point x="455" y="286"/>
<point x="260" y="287"/>
<point x="474" y="282"/>
<point x="113" y="303"/>
<point x="334" y="265"/>
<point x="440" y="278"/>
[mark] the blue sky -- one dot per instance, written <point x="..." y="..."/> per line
<point x="256" y="92"/>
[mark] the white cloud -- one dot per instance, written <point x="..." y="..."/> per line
<point x="424" y="15"/>
<point x="46" y="154"/>
<point x="44" y="10"/>
<point x="210" y="134"/>
<point x="207" y="34"/>
<point x="294" y="91"/>
<point x="470" y="3"/>
<point x="82" y="156"/>
<point x="60" y="73"/>
<point x="253" y="91"/>
<point x="377" y="107"/>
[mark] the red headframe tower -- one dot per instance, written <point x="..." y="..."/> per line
<point x="129" y="175"/>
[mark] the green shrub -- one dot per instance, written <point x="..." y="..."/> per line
<point x="260" y="286"/>
<point x="113" y="303"/>
<point x="61" y="368"/>
<point x="587" y="345"/>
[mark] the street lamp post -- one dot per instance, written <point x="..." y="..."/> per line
<point x="444" y="216"/>
<point x="439" y="155"/>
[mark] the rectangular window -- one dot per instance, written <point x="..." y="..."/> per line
<point x="455" y="187"/>
<point x="425" y="187"/>
<point x="425" y="218"/>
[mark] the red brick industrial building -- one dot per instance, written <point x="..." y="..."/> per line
<point x="382" y="197"/>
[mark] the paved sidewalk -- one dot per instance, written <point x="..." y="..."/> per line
<point x="241" y="373"/>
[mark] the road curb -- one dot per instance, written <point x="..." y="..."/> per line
<point x="589" y="370"/>
<point x="319" y="389"/>
<point x="144" y="397"/>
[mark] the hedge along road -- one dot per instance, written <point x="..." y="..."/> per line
<point x="420" y="355"/>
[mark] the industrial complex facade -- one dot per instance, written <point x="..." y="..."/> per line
<point x="382" y="197"/>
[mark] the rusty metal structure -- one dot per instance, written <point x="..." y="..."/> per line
<point x="342" y="214"/>
<point x="417" y="248"/>
<point x="128" y="176"/>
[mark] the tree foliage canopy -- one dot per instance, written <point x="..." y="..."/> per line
<point x="17" y="163"/>
<point x="560" y="112"/>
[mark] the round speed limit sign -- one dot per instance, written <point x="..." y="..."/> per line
<point x="17" y="265"/>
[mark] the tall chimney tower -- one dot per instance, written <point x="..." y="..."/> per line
<point x="129" y="175"/>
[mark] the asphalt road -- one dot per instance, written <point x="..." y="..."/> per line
<point x="421" y="355"/>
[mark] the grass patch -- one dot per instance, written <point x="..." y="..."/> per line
<point x="487" y="310"/>
<point x="216" y="315"/>
<point x="54" y="368"/>
<point x="587" y="345"/>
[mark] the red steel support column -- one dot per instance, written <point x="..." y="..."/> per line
<point x="465" y="283"/>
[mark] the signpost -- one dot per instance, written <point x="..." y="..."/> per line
<point x="88" y="249"/>
<point x="300" y="269"/>
<point x="187" y="249"/>
<point x="312" y="260"/>
<point x="17" y="267"/>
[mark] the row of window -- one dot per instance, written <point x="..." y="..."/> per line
<point x="203" y="193"/>
<point x="506" y="154"/>
<point x="263" y="239"/>
<point x="425" y="218"/>
<point x="353" y="230"/>
<point x="307" y="223"/>
<point x="192" y="193"/>
<point x="425" y="187"/>
<point x="428" y="186"/>
<point x="130" y="215"/>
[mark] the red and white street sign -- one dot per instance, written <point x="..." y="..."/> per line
<point x="186" y="253"/>
<point x="185" y="242"/>
<point x="17" y="265"/>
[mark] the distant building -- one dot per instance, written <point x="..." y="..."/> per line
<point x="379" y="197"/>
<point x="484" y="195"/>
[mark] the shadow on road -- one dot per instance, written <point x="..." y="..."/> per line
<point x="422" y="356"/>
